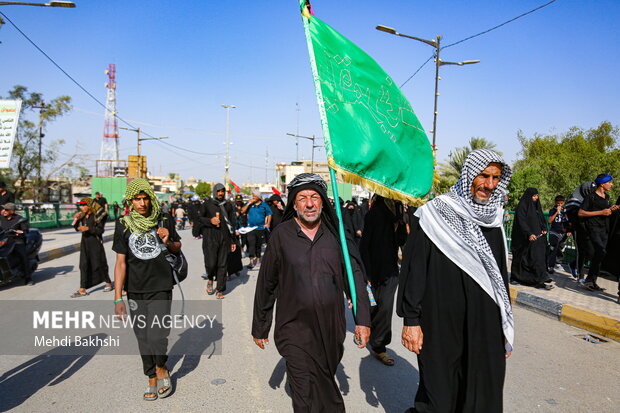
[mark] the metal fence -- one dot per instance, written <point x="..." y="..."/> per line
<point x="50" y="215"/>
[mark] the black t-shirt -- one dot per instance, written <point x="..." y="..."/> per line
<point x="147" y="267"/>
<point x="560" y="222"/>
<point x="101" y="201"/>
<point x="594" y="202"/>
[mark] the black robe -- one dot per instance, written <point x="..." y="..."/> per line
<point x="384" y="232"/>
<point x="462" y="363"/>
<point x="529" y="263"/>
<point x="93" y="263"/>
<point x="308" y="281"/>
<point x="611" y="263"/>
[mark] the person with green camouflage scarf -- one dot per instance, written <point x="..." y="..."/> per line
<point x="141" y="242"/>
<point x="135" y="221"/>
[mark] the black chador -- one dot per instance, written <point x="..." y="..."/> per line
<point x="217" y="239"/>
<point x="529" y="264"/>
<point x="384" y="232"/>
<point x="93" y="263"/>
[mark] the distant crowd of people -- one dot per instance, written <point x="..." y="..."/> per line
<point x="588" y="216"/>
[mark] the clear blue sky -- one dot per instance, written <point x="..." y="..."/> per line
<point x="178" y="61"/>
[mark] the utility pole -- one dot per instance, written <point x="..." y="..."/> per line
<point x="41" y="135"/>
<point x="227" y="161"/>
<point x="438" y="62"/>
<point x="310" y="138"/>
<point x="266" y="165"/>
<point x="140" y="139"/>
<point x="297" y="132"/>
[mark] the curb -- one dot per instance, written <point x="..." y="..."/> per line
<point x="595" y="322"/>
<point x="66" y="250"/>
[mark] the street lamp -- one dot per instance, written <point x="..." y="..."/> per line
<point x="310" y="138"/>
<point x="227" y="163"/>
<point x="65" y="4"/>
<point x="438" y="62"/>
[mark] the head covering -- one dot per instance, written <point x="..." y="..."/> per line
<point x="579" y="195"/>
<point x="603" y="178"/>
<point x="528" y="214"/>
<point x="216" y="188"/>
<point x="452" y="222"/>
<point x="256" y="192"/>
<point x="9" y="206"/>
<point x="136" y="222"/>
<point x="311" y="181"/>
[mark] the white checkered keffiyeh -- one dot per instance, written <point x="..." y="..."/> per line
<point x="452" y="222"/>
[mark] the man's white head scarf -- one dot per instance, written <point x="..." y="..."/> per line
<point x="452" y="222"/>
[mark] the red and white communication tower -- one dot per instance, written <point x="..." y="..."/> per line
<point x="109" y="145"/>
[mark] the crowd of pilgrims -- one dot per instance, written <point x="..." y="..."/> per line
<point x="588" y="217"/>
<point x="537" y="241"/>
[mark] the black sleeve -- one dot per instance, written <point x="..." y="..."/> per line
<point x="362" y="302"/>
<point x="587" y="205"/>
<point x="168" y="223"/>
<point x="118" y="244"/>
<point x="266" y="285"/>
<point x="365" y="243"/>
<point x="412" y="280"/>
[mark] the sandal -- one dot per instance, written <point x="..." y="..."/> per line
<point x="107" y="289"/>
<point x="162" y="383"/>
<point x="78" y="294"/>
<point x="219" y="295"/>
<point x="210" y="289"/>
<point x="384" y="358"/>
<point x="150" y="390"/>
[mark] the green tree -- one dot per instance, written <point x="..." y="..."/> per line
<point x="25" y="159"/>
<point x="558" y="164"/>
<point x="450" y="170"/>
<point x="203" y="189"/>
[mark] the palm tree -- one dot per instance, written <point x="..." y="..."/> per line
<point x="452" y="168"/>
<point x="450" y="171"/>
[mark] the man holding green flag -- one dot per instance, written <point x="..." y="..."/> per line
<point x="303" y="269"/>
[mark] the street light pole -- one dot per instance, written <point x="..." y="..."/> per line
<point x="41" y="135"/>
<point x="310" y="138"/>
<point x="227" y="162"/>
<point x="65" y="4"/>
<point x="438" y="62"/>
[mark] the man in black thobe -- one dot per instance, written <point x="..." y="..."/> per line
<point x="453" y="292"/>
<point x="384" y="233"/>
<point x="217" y="217"/>
<point x="303" y="269"/>
<point x="595" y="212"/>
<point x="9" y="220"/>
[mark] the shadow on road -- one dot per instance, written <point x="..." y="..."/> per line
<point x="277" y="378"/>
<point x="392" y="388"/>
<point x="192" y="344"/>
<point x="22" y="382"/>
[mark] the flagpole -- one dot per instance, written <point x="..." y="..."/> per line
<point x="343" y="241"/>
<point x="326" y="136"/>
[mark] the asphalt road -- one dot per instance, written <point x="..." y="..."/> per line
<point x="552" y="369"/>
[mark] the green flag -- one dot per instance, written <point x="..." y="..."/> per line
<point x="372" y="136"/>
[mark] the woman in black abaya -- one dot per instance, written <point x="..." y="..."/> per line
<point x="529" y="243"/>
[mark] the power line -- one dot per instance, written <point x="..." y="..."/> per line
<point x="479" y="34"/>
<point x="419" y="68"/>
<point x="499" y="25"/>
<point x="65" y="72"/>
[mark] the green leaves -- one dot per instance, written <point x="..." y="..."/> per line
<point x="557" y="164"/>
